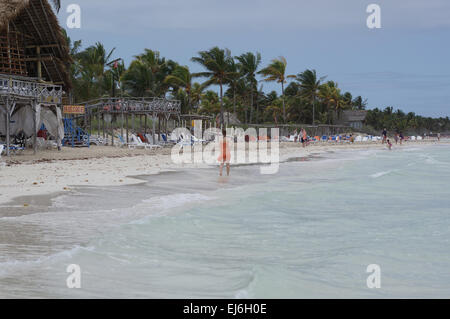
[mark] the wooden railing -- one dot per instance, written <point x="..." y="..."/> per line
<point x="42" y="92"/>
<point x="133" y="105"/>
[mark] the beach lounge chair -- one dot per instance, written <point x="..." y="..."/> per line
<point x="419" y="138"/>
<point x="121" y="142"/>
<point x="136" y="142"/>
<point x="149" y="138"/>
<point x="13" y="148"/>
<point x="358" y="138"/>
<point x="413" y="138"/>
<point x="164" y="141"/>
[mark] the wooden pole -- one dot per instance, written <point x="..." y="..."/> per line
<point x="121" y="124"/>
<point x="39" y="63"/>
<point x="112" y="130"/>
<point x="103" y="126"/>
<point x="98" y="123"/>
<point x="90" y="123"/>
<point x="58" y="138"/>
<point x="145" y="125"/>
<point x="34" y="128"/>
<point x="126" y="117"/>
<point x="7" y="119"/>
<point x="153" y="128"/>
<point x="159" y="128"/>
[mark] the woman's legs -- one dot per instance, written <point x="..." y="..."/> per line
<point x="221" y="169"/>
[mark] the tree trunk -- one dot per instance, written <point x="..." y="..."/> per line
<point x="282" y="96"/>
<point x="314" y="110"/>
<point x="251" y="104"/>
<point x="221" y="104"/>
<point x="257" y="106"/>
<point x="234" y="99"/>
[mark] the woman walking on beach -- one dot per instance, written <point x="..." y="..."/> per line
<point x="225" y="156"/>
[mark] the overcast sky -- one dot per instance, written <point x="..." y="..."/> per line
<point x="404" y="64"/>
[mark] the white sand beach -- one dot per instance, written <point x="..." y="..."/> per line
<point x="52" y="171"/>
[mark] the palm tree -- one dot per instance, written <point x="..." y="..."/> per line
<point x="326" y="93"/>
<point x="181" y="78"/>
<point x="273" y="111"/>
<point x="339" y="101"/>
<point x="249" y="64"/>
<point x="310" y="86"/>
<point x="91" y="74"/>
<point x="276" y="72"/>
<point x="218" y="63"/>
<point x="234" y="82"/>
<point x="146" y="74"/>
<point x="196" y="94"/>
<point x="359" y="104"/>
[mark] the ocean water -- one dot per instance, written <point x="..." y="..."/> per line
<point x="309" y="231"/>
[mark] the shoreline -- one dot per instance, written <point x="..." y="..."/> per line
<point x="26" y="175"/>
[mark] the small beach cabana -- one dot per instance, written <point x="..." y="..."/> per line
<point x="34" y="64"/>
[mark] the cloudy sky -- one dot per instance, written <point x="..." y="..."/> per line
<point x="404" y="64"/>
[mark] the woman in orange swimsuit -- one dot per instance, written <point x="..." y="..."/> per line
<point x="225" y="155"/>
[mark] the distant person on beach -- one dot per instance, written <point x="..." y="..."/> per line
<point x="396" y="138"/>
<point x="389" y="144"/>
<point x="304" y="137"/>
<point x="384" y="134"/>
<point x="225" y="156"/>
<point x="401" y="138"/>
<point x="439" y="136"/>
<point x="352" y="138"/>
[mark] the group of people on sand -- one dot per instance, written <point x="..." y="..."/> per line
<point x="301" y="137"/>
<point x="398" y="137"/>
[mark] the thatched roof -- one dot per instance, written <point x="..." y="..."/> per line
<point x="37" y="22"/>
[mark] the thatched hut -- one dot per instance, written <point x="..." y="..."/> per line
<point x="34" y="65"/>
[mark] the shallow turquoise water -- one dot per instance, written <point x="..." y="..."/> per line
<point x="309" y="231"/>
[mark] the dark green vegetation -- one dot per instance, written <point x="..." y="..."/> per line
<point x="308" y="98"/>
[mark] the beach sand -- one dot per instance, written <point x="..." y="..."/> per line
<point x="51" y="171"/>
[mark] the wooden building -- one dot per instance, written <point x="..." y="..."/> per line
<point x="34" y="64"/>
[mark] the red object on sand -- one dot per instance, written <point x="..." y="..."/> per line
<point x="42" y="133"/>
<point x="143" y="139"/>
